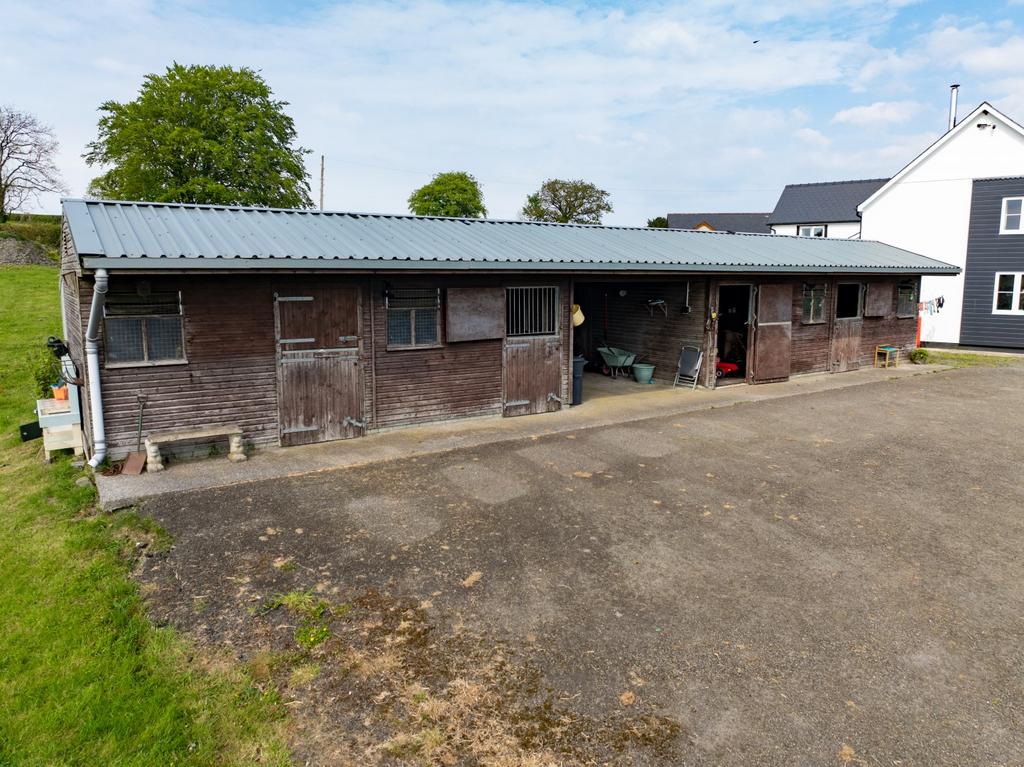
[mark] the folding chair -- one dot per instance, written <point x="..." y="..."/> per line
<point x="690" y="359"/>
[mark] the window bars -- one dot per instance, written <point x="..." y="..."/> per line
<point x="531" y="311"/>
<point x="414" y="317"/>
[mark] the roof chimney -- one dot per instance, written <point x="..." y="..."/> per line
<point x="952" y="104"/>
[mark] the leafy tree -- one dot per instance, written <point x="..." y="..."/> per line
<point x="567" y="202"/>
<point x="200" y="134"/>
<point x="455" y="193"/>
<point x="658" y="222"/>
<point x="27" y="169"/>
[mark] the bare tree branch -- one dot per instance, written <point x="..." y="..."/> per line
<point x="27" y="168"/>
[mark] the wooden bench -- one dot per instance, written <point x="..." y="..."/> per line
<point x="155" y="462"/>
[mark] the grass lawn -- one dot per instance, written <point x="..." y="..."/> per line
<point x="84" y="676"/>
<point x="959" y="359"/>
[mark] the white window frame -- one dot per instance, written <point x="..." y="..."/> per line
<point x="823" y="227"/>
<point x="1018" y="286"/>
<point x="1002" y="217"/>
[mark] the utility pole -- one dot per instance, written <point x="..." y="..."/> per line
<point x="321" y="182"/>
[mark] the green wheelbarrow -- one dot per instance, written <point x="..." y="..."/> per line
<point x="617" y="362"/>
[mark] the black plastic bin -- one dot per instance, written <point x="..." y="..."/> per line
<point x="577" y="379"/>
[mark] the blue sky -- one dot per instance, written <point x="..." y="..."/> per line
<point x="668" y="106"/>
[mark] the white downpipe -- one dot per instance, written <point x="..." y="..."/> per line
<point x="92" y="364"/>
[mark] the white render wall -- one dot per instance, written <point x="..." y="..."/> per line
<point x="841" y="230"/>
<point x="928" y="211"/>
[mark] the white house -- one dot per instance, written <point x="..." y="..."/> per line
<point x="926" y="208"/>
<point x="826" y="209"/>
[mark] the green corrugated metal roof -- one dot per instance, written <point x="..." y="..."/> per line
<point x="129" y="235"/>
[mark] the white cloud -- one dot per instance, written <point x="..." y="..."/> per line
<point x="668" y="106"/>
<point x="878" y="113"/>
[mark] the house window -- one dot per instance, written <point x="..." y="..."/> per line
<point x="143" y="328"/>
<point x="1010" y="221"/>
<point x="906" y="300"/>
<point x="814" y="230"/>
<point x="814" y="303"/>
<point x="1009" y="293"/>
<point x="849" y="300"/>
<point x="531" y="311"/>
<point x="414" y="318"/>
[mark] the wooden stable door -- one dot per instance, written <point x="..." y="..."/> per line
<point x="844" y="353"/>
<point x="773" y="333"/>
<point x="319" y="382"/>
<point x="532" y="363"/>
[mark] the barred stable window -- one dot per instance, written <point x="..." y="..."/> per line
<point x="906" y="304"/>
<point x="414" y="318"/>
<point x="814" y="303"/>
<point x="1009" y="293"/>
<point x="143" y="328"/>
<point x="531" y="311"/>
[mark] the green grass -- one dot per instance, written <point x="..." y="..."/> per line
<point x="971" y="359"/>
<point x="85" y="678"/>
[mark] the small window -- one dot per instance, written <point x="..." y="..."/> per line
<point x="814" y="303"/>
<point x="1009" y="294"/>
<point x="906" y="300"/>
<point x="143" y="328"/>
<point x="531" y="312"/>
<point x="1010" y="222"/>
<point x="815" y="230"/>
<point x="414" y="318"/>
<point x="849" y="300"/>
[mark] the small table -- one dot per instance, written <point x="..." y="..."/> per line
<point x="887" y="357"/>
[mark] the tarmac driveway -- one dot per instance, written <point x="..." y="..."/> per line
<point x="834" y="578"/>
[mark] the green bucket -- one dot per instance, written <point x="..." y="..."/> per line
<point x="643" y="373"/>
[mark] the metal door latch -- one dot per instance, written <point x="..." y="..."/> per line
<point x="556" y="398"/>
<point x="350" y="421"/>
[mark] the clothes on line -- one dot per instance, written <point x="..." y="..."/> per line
<point x="933" y="306"/>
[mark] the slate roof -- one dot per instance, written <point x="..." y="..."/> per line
<point x="752" y="223"/>
<point x="823" y="203"/>
<point x="138" y="235"/>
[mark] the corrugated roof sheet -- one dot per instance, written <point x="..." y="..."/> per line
<point x="823" y="203"/>
<point x="753" y="223"/>
<point x="126" y="235"/>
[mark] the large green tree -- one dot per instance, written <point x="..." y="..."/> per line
<point x="567" y="202"/>
<point x="200" y="134"/>
<point x="455" y="193"/>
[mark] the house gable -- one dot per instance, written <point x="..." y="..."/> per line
<point x="982" y="137"/>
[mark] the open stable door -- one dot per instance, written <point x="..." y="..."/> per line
<point x="773" y="333"/>
<point x="846" y="329"/>
<point x="319" y="382"/>
<point x="532" y="365"/>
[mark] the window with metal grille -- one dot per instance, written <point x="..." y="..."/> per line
<point x="414" y="318"/>
<point x="814" y="303"/>
<point x="906" y="303"/>
<point x="531" y="312"/>
<point x="143" y="327"/>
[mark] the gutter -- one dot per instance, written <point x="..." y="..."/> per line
<point x="92" y="364"/>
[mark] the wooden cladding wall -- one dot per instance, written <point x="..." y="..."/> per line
<point x="633" y="325"/>
<point x="230" y="377"/>
<point x="451" y="380"/>
<point x="812" y="342"/>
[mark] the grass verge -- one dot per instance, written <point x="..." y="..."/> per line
<point x="959" y="359"/>
<point x="85" y="678"/>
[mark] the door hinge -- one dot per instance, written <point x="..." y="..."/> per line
<point x="517" y="402"/>
<point x="350" y="421"/>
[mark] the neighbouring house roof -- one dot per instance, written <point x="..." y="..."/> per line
<point x="751" y="223"/>
<point x="984" y="108"/>
<point x="823" y="203"/>
<point x="138" y="235"/>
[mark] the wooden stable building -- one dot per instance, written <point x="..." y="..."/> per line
<point x="301" y="326"/>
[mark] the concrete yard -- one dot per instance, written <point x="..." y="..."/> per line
<point x="829" y="578"/>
